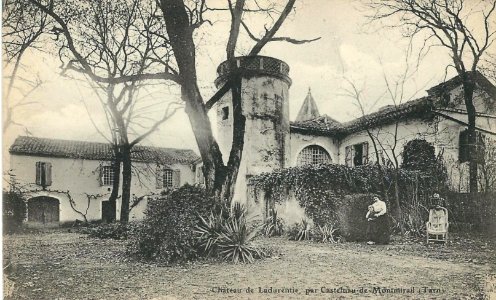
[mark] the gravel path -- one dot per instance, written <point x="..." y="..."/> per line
<point x="61" y="265"/>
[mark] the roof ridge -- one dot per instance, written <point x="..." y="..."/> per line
<point x="40" y="146"/>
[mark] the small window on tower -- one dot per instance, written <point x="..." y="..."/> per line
<point x="225" y="113"/>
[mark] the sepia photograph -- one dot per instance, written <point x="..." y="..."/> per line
<point x="249" y="149"/>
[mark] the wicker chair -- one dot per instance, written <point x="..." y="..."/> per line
<point x="437" y="227"/>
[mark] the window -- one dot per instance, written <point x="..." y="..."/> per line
<point x="167" y="177"/>
<point x="225" y="113"/>
<point x="313" y="155"/>
<point x="465" y="149"/>
<point x="357" y="155"/>
<point x="43" y="173"/>
<point x="107" y="175"/>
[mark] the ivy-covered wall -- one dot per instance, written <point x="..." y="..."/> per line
<point x="321" y="190"/>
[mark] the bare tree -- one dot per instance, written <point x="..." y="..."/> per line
<point x="387" y="144"/>
<point x="174" y="29"/>
<point x="466" y="29"/>
<point x="489" y="67"/>
<point x="487" y="174"/>
<point x="117" y="45"/>
<point x="23" y="26"/>
<point x="126" y="47"/>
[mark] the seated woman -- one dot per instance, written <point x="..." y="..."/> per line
<point x="378" y="227"/>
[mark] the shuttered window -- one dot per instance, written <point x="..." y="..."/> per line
<point x="168" y="178"/>
<point x="357" y="155"/>
<point x="43" y="173"/>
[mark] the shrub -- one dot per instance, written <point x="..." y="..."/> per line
<point x="235" y="241"/>
<point x="115" y="231"/>
<point x="300" y="231"/>
<point x="472" y="211"/>
<point x="14" y="211"/>
<point x="228" y="236"/>
<point x="167" y="231"/>
<point x="325" y="234"/>
<point x="273" y="226"/>
<point x="208" y="232"/>
<point x="350" y="216"/>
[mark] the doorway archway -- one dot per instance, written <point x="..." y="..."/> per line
<point x="43" y="210"/>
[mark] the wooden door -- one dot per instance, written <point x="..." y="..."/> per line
<point x="43" y="210"/>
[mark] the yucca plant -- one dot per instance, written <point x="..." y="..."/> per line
<point x="325" y="234"/>
<point x="273" y="226"/>
<point x="228" y="235"/>
<point x="305" y="231"/>
<point x="301" y="231"/>
<point x="208" y="232"/>
<point x="235" y="242"/>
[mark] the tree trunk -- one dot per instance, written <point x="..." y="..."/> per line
<point x="219" y="178"/>
<point x="116" y="169"/>
<point x="126" y="183"/>
<point x="468" y="93"/>
<point x="397" y="199"/>
<point x="226" y="188"/>
<point x="379" y="166"/>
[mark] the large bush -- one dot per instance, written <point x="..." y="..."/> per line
<point x="14" y="211"/>
<point x="350" y="216"/>
<point x="473" y="212"/>
<point x="167" y="231"/>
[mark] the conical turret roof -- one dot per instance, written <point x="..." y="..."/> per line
<point x="308" y="110"/>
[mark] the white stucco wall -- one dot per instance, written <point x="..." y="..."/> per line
<point x="391" y="141"/>
<point x="80" y="178"/>
<point x="266" y="144"/>
<point x="300" y="141"/>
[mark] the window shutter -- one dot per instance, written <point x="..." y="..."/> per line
<point x="365" y="153"/>
<point x="48" y="174"/>
<point x="39" y="165"/>
<point x="176" y="178"/>
<point x="480" y="148"/>
<point x="160" y="177"/>
<point x="348" y="156"/>
<point x="101" y="175"/>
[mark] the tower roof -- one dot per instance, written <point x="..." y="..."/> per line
<point x="308" y="110"/>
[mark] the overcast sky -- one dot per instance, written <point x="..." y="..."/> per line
<point x="349" y="50"/>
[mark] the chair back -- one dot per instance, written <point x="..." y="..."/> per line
<point x="438" y="219"/>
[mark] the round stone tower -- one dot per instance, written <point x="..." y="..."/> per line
<point x="264" y="96"/>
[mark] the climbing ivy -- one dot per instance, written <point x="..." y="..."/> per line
<point x="321" y="189"/>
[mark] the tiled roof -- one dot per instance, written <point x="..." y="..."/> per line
<point x="321" y="125"/>
<point x="419" y="108"/>
<point x="34" y="146"/>
<point x="480" y="79"/>
<point x="327" y="126"/>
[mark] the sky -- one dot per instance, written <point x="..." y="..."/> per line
<point x="349" y="50"/>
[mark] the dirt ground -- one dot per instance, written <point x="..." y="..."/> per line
<point x="61" y="265"/>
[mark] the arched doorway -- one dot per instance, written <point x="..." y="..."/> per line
<point x="43" y="210"/>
